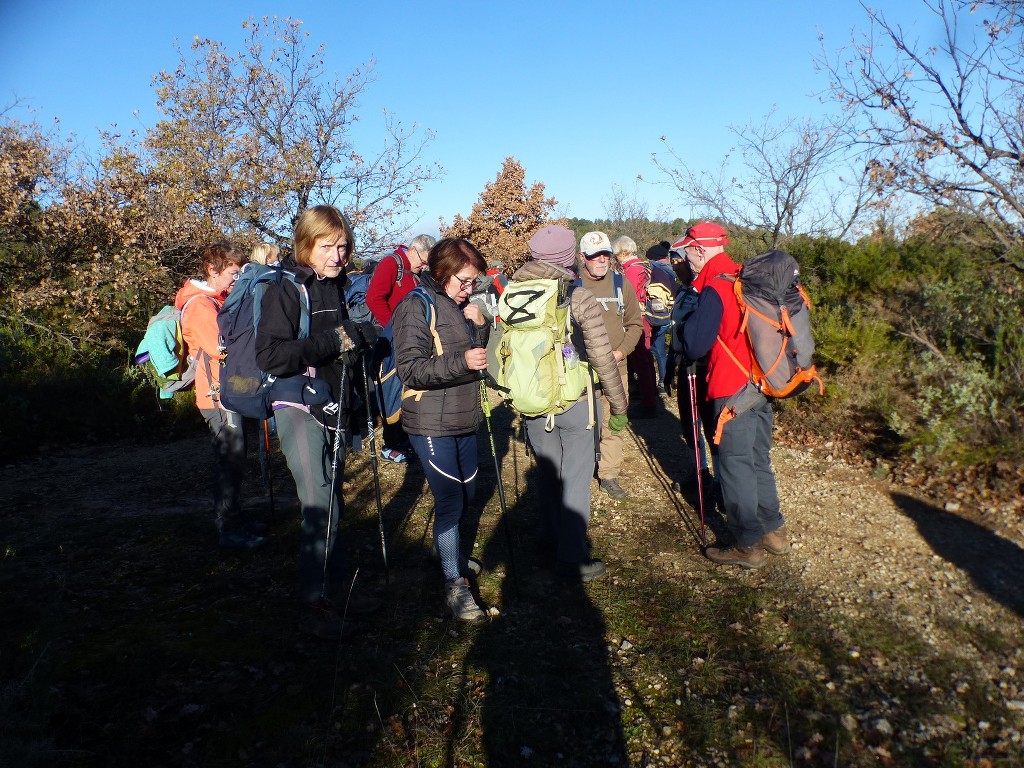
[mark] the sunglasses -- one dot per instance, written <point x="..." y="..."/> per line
<point x="599" y="255"/>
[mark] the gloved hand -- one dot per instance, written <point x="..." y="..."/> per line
<point x="368" y="332"/>
<point x="617" y="423"/>
<point x="351" y="341"/>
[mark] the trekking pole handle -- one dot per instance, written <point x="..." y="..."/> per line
<point x="475" y="343"/>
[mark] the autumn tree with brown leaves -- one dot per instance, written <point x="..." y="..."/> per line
<point x="247" y="141"/>
<point x="251" y="139"/>
<point x="505" y="217"/>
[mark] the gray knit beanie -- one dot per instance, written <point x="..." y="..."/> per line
<point x="554" y="244"/>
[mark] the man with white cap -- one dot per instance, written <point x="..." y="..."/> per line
<point x="744" y="466"/>
<point x="623" y="322"/>
<point x="564" y="444"/>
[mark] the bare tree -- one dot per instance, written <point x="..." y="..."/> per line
<point x="947" y="116"/>
<point x="627" y="214"/>
<point x="783" y="177"/>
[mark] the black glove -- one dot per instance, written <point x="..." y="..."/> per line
<point x="351" y="342"/>
<point x="368" y="332"/>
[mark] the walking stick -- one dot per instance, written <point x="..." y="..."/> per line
<point x="334" y="478"/>
<point x="691" y="380"/>
<point x="264" y="454"/>
<point x="371" y="437"/>
<point x="485" y="405"/>
<point x="505" y="523"/>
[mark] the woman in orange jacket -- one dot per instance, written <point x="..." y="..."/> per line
<point x="199" y="301"/>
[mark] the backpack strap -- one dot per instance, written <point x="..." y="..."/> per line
<point x="401" y="267"/>
<point x="617" y="298"/>
<point x="431" y="317"/>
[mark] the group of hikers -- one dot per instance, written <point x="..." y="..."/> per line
<point x="606" y="316"/>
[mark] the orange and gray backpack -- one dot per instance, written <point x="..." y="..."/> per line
<point x="776" y="321"/>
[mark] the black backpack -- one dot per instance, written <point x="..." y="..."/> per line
<point x="358" y="282"/>
<point x="244" y="388"/>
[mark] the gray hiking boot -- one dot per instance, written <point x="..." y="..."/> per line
<point x="585" y="571"/>
<point x="612" y="488"/>
<point x="460" y="601"/>
<point x="777" y="542"/>
<point x="745" y="557"/>
<point x="241" y="539"/>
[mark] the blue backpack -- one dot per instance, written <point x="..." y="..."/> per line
<point x="389" y="386"/>
<point x="163" y="348"/>
<point x="244" y="388"/>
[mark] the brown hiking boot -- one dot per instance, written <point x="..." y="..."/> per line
<point x="745" y="557"/>
<point x="777" y="542"/>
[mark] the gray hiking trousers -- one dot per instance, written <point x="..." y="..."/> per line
<point x="308" y="448"/>
<point x="228" y="434"/>
<point x="565" y="464"/>
<point x="745" y="470"/>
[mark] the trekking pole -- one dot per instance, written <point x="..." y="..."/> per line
<point x="264" y="453"/>
<point x="371" y="437"/>
<point x="691" y="380"/>
<point x="485" y="405"/>
<point x="334" y="478"/>
<point x="505" y="522"/>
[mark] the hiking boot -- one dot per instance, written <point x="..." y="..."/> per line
<point x="660" y="389"/>
<point x="393" y="455"/>
<point x="612" y="488"/>
<point x="241" y="539"/>
<point x="460" y="601"/>
<point x="321" y="619"/>
<point x="745" y="557"/>
<point x="777" y="542"/>
<point x="585" y="571"/>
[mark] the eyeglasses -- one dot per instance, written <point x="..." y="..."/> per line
<point x="467" y="282"/>
<point x="595" y="256"/>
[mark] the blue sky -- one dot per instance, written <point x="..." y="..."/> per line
<point x="579" y="92"/>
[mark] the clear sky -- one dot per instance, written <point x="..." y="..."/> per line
<point x="579" y="92"/>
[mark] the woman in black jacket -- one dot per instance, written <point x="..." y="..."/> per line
<point x="440" y="348"/>
<point x="323" y="244"/>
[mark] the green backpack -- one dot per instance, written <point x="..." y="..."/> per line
<point x="537" y="362"/>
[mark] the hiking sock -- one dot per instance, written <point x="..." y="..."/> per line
<point x="448" y="552"/>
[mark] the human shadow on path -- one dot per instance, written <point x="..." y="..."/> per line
<point x="549" y="697"/>
<point x="995" y="564"/>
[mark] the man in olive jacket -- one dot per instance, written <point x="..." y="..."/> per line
<point x="623" y="323"/>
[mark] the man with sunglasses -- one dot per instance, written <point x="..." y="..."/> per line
<point x="744" y="465"/>
<point x="623" y="321"/>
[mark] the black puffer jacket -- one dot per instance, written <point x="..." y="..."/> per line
<point x="442" y="396"/>
<point x="281" y="352"/>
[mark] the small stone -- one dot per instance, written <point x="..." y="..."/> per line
<point x="849" y="722"/>
<point x="882" y="727"/>
<point x="1015" y="706"/>
<point x="952" y="506"/>
<point x="626" y="645"/>
<point x="666" y="731"/>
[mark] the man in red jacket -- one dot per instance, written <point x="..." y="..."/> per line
<point x="743" y="413"/>
<point x="393" y="278"/>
